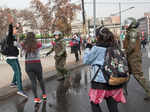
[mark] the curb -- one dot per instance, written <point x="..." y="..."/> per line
<point x="8" y="92"/>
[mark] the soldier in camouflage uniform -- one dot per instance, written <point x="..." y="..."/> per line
<point x="59" y="47"/>
<point x="132" y="47"/>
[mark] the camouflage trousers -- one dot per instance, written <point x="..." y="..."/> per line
<point x="136" y="70"/>
<point x="60" y="66"/>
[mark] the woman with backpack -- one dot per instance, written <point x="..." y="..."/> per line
<point x="100" y="89"/>
<point x="33" y="67"/>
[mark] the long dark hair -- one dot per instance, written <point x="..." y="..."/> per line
<point x="30" y="43"/>
<point x="105" y="36"/>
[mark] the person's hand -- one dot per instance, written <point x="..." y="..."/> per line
<point x="89" y="45"/>
<point x="17" y="25"/>
<point x="10" y="19"/>
<point x="47" y="53"/>
<point x="89" y="41"/>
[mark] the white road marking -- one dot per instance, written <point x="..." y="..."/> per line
<point x="148" y="50"/>
<point x="149" y="74"/>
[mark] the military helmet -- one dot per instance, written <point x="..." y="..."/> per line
<point x="131" y="23"/>
<point x="57" y="33"/>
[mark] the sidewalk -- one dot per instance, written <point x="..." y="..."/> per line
<point x="49" y="72"/>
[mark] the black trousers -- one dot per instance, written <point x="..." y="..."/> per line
<point x="76" y="55"/>
<point x="111" y="104"/>
<point x="34" y="71"/>
<point x="74" y="49"/>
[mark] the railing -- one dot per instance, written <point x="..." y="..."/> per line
<point x="44" y="41"/>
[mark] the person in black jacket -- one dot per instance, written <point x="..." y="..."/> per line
<point x="74" y="47"/>
<point x="12" y="58"/>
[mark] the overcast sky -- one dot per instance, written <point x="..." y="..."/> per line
<point x="103" y="7"/>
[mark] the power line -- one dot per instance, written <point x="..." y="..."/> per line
<point x="101" y="3"/>
<point x="77" y="1"/>
<point x="122" y="11"/>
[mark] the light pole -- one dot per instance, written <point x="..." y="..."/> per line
<point x="94" y="14"/>
<point x="120" y="25"/>
<point x="120" y="11"/>
<point x="84" y="21"/>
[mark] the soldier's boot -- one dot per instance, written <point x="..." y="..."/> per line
<point x="147" y="98"/>
<point x="146" y="86"/>
<point x="144" y="83"/>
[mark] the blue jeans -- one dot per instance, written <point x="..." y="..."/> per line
<point x="14" y="63"/>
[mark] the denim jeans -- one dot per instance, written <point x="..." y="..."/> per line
<point x="14" y="63"/>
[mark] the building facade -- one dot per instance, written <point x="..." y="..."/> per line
<point x="144" y="26"/>
<point x="113" y="23"/>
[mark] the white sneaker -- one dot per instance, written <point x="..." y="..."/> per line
<point x="22" y="94"/>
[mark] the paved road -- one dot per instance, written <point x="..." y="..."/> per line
<point x="146" y="62"/>
<point x="73" y="97"/>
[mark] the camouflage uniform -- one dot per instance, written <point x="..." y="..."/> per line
<point x="133" y="49"/>
<point x="60" y="56"/>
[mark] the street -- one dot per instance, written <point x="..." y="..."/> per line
<point x="73" y="97"/>
<point x="70" y="25"/>
<point x="145" y="61"/>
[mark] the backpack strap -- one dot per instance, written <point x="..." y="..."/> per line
<point x="100" y="66"/>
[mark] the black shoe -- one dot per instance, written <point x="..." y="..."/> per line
<point x="147" y="98"/>
<point x="60" y="78"/>
<point x="77" y="60"/>
<point x="13" y="85"/>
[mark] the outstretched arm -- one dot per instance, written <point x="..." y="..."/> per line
<point x="48" y="53"/>
<point x="10" y="29"/>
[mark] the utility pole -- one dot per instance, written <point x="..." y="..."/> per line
<point x="94" y="14"/>
<point x="84" y="21"/>
<point x="120" y="25"/>
<point x="148" y="23"/>
<point x="120" y="13"/>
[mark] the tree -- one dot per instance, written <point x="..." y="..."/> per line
<point x="66" y="12"/>
<point x="27" y="18"/>
<point x="44" y="15"/>
<point x="55" y="15"/>
<point x="24" y="17"/>
<point x="4" y="21"/>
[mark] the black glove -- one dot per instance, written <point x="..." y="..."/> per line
<point x="89" y="45"/>
<point x="47" y="53"/>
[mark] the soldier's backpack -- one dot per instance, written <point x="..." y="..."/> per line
<point x="4" y="47"/>
<point x="115" y="67"/>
